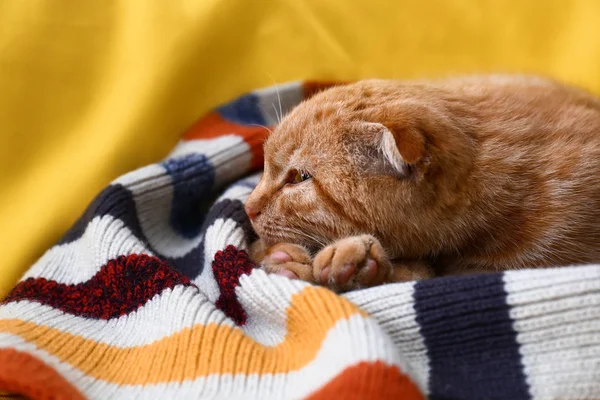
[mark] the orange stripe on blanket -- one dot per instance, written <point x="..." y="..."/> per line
<point x="198" y="351"/>
<point x="26" y="375"/>
<point x="213" y="125"/>
<point x="369" y="381"/>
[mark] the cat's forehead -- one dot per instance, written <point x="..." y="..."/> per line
<point x="290" y="150"/>
<point x="306" y="148"/>
<point x="313" y="121"/>
<point x="313" y="131"/>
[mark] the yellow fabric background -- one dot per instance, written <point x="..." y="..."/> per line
<point x="91" y="89"/>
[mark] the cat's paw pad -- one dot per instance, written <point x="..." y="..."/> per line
<point x="289" y="260"/>
<point x="352" y="263"/>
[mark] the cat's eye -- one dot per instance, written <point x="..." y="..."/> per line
<point x="298" y="176"/>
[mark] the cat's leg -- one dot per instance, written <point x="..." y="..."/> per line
<point x="411" y="270"/>
<point x="360" y="261"/>
<point x="286" y="259"/>
<point x="352" y="263"/>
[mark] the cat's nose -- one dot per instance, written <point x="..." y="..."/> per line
<point x="251" y="212"/>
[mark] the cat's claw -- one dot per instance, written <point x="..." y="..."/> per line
<point x="352" y="263"/>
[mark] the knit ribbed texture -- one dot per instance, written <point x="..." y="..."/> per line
<point x="151" y="295"/>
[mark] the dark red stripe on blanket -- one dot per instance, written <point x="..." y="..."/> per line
<point x="228" y="266"/>
<point x="120" y="287"/>
<point x="471" y="343"/>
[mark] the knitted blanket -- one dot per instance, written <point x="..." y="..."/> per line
<point x="151" y="295"/>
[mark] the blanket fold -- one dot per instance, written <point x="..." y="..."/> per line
<point x="151" y="294"/>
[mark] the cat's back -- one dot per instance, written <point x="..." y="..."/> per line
<point x="517" y="106"/>
<point x="538" y="154"/>
<point x="520" y="102"/>
<point x="516" y="119"/>
<point x="532" y="122"/>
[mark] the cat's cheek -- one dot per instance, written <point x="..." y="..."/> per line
<point x="297" y="200"/>
<point x="303" y="191"/>
<point x="261" y="224"/>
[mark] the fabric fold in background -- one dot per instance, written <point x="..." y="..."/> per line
<point x="151" y="294"/>
<point x="93" y="89"/>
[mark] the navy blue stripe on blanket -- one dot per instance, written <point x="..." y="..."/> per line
<point x="193" y="178"/>
<point x="191" y="264"/>
<point x="470" y="339"/>
<point x="245" y="111"/>
<point x="117" y="201"/>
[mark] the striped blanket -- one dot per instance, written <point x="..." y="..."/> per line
<point x="151" y="295"/>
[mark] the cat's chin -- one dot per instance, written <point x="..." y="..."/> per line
<point x="270" y="241"/>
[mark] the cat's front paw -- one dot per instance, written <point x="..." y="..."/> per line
<point x="352" y="263"/>
<point x="289" y="260"/>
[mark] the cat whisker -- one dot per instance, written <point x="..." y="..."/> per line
<point x="263" y="126"/>
<point x="277" y="116"/>
<point x="282" y="231"/>
<point x="279" y="100"/>
<point x="311" y="238"/>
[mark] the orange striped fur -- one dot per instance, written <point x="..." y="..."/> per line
<point x="469" y="174"/>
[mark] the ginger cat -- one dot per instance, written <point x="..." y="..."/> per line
<point x="386" y="181"/>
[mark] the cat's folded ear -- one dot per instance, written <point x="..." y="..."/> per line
<point x="396" y="152"/>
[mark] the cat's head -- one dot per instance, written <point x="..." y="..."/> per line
<point x="373" y="157"/>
